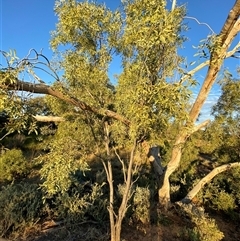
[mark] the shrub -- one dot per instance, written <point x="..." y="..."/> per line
<point x="12" y="165"/>
<point x="224" y="201"/>
<point x="217" y="198"/>
<point x="141" y="203"/>
<point x="188" y="234"/>
<point x="20" y="207"/>
<point x="205" y="228"/>
<point x="60" y="165"/>
<point x="80" y="203"/>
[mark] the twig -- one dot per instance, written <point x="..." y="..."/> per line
<point x="200" y="23"/>
<point x="123" y="165"/>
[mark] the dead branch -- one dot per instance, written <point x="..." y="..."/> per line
<point x="201" y="23"/>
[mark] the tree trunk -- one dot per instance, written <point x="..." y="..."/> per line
<point x="164" y="191"/>
<point x="225" y="38"/>
<point x="207" y="179"/>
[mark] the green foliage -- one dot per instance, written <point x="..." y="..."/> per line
<point x="141" y="205"/>
<point x="228" y="104"/>
<point x="217" y="198"/>
<point x="233" y="179"/>
<point x="20" y="207"/>
<point x="225" y="127"/>
<point x="189" y="234"/>
<point x="60" y="165"/>
<point x="207" y="229"/>
<point x="13" y="165"/>
<point x="224" y="201"/>
<point x="83" y="202"/>
<point x="91" y="30"/>
<point x="148" y="47"/>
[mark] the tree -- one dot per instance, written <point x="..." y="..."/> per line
<point x="147" y="100"/>
<point x="225" y="129"/>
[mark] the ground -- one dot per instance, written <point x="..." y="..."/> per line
<point x="171" y="227"/>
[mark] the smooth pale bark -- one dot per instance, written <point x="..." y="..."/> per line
<point x="207" y="179"/>
<point x="226" y="36"/>
<point x="41" y="118"/>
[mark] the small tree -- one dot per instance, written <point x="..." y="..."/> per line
<point x="147" y="101"/>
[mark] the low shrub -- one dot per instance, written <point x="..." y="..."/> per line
<point x="141" y="205"/>
<point x="80" y="205"/>
<point x="205" y="228"/>
<point x="13" y="165"/>
<point x="20" y="207"/>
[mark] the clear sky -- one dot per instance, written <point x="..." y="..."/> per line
<point x="26" y="24"/>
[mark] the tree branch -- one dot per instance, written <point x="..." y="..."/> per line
<point x="216" y="61"/>
<point x="202" y="65"/>
<point x="41" y="118"/>
<point x="200" y="23"/>
<point x="19" y="85"/>
<point x="207" y="179"/>
<point x="231" y="20"/>
<point x="200" y="126"/>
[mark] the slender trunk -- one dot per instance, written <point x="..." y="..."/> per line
<point x="126" y="195"/>
<point x="111" y="200"/>
<point x="116" y="220"/>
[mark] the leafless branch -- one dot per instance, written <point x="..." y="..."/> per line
<point x="207" y="179"/>
<point x="201" y="23"/>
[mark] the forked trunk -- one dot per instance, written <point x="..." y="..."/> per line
<point x="116" y="233"/>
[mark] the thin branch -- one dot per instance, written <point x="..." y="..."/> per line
<point x="202" y="65"/>
<point x="201" y="23"/>
<point x="8" y="133"/>
<point x="41" y="118"/>
<point x="173" y="5"/>
<point x="123" y="165"/>
<point x="200" y="126"/>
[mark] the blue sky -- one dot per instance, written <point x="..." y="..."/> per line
<point x="26" y="24"/>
